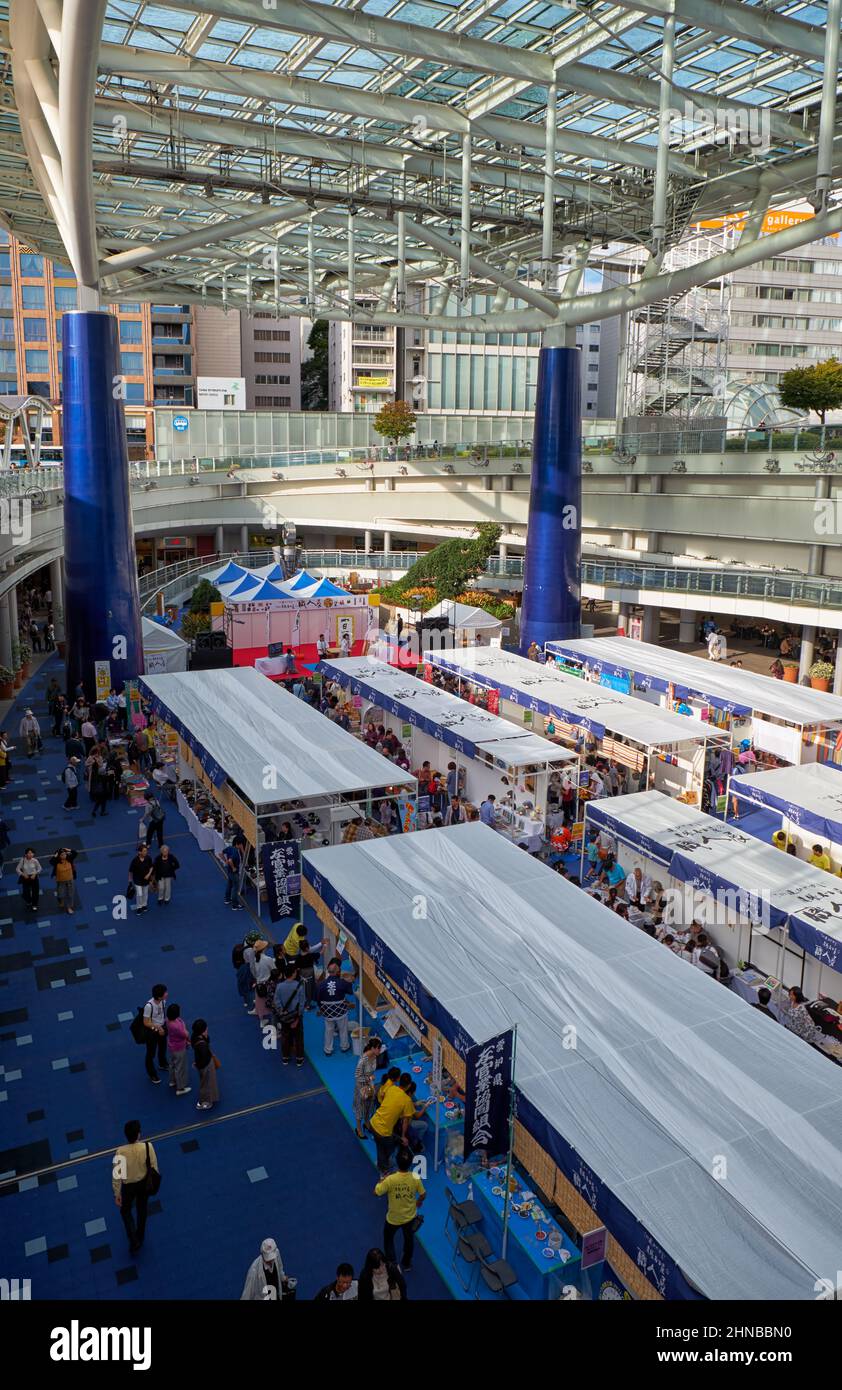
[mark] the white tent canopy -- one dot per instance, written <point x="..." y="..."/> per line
<point x="464" y="615"/>
<point x="810" y="797"/>
<point x="246" y="725"/>
<point x="717" y="857"/>
<point x="163" y="649"/>
<point x="725" y="686"/>
<point x="444" y="716"/>
<point x="669" y="1068"/>
<point x="533" y="686"/>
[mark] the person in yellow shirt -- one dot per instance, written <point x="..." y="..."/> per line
<point x="779" y="839"/>
<point x="129" y="1182"/>
<point x="292" y="945"/>
<point x="395" y="1108"/>
<point x="820" y="858"/>
<point x="392" y="1077"/>
<point x="405" y="1192"/>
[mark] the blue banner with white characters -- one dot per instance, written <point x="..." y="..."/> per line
<point x="281" y="864"/>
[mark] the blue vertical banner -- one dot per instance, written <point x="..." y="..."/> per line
<point x="281" y="864"/>
<point x="552" y="563"/>
<point x="102" y="605"/>
<point x="488" y="1092"/>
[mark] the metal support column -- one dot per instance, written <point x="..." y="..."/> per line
<point x="549" y="190"/>
<point x="465" y="236"/>
<point x="659" y="209"/>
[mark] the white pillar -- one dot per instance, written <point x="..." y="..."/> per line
<point x="654" y="539"/>
<point x="503" y="550"/>
<point x="220" y="540"/>
<point x="368" y="542"/>
<point x="815" y="562"/>
<point x="387" y="542"/>
<point x="686" y="626"/>
<point x="13" y="612"/>
<point x="623" y="618"/>
<point x="651" y="624"/>
<point x="5" y="633"/>
<point x="57" y="588"/>
<point x="837" y="670"/>
<point x="630" y="482"/>
<point x="244" y="538"/>
<point x="808" y="649"/>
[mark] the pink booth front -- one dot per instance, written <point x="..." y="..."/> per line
<point x="252" y="626"/>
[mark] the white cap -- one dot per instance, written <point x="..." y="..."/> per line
<point x="269" y="1250"/>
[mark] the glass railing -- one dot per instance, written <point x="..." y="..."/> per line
<point x="777" y="588"/>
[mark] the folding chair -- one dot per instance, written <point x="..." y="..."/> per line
<point x="497" y="1274"/>
<point x="464" y="1214"/>
<point x="472" y="1249"/>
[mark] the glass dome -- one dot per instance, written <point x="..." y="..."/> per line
<point x="749" y="405"/>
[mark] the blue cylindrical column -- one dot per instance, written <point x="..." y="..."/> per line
<point x="552" y="564"/>
<point x="102" y="605"/>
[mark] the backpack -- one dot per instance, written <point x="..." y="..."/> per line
<point x="157" y="812"/>
<point x="137" y="1027"/>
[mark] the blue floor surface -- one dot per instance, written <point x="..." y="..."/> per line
<point x="276" y="1157"/>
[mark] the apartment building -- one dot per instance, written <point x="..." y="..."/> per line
<point x="262" y="349"/>
<point x="363" y="364"/>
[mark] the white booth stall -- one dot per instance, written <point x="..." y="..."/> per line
<point x="808" y="800"/>
<point x="668" y="750"/>
<point x="512" y="763"/>
<point x="793" y="722"/>
<point x="163" y="649"/>
<point x="755" y="903"/>
<point x="256" y="757"/>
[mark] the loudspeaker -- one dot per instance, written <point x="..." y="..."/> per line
<point x="432" y="625"/>
<point x="210" y="641"/>
<point x="211" y="659"/>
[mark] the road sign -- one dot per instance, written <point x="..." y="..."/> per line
<point x="180" y="423"/>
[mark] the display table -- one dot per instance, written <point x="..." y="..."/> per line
<point x="522" y="829"/>
<point x="451" y="1113"/>
<point x="205" y="836"/>
<point x="543" y="1263"/>
<point x="746" y="983"/>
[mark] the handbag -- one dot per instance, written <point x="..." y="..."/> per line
<point x="130" y="891"/>
<point x="216" y="1062"/>
<point x="153" y="1177"/>
<point x="289" y="1016"/>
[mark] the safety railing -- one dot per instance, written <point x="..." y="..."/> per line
<point x="679" y="580"/>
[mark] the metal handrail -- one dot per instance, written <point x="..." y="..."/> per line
<point x="727" y="582"/>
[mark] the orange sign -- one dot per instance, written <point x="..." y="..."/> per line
<point x="772" y="222"/>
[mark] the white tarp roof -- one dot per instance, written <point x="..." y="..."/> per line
<point x="715" y="856"/>
<point x="163" y="648"/>
<point x="726" y="685"/>
<point x="670" y="1068"/>
<point x="809" y="796"/>
<point x="464" y="615"/>
<point x="246" y="723"/>
<point x="441" y="714"/>
<point x="570" y="698"/>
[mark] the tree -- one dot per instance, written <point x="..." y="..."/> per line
<point x="395" y="420"/>
<point x="203" y="596"/>
<point x="194" y="623"/>
<point x="315" y="371"/>
<point x="449" y="568"/>
<point x="816" y="388"/>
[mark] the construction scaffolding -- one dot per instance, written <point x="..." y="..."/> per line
<point x="678" y="346"/>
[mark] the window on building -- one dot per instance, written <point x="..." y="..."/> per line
<point x="32" y="296"/>
<point x="131" y="331"/>
<point x="38" y="388"/>
<point x="7" y="329"/>
<point x="271" y="357"/>
<point x="271" y="335"/>
<point x="5" y="263"/>
<point x="31" y="264"/>
<point x="128" y="308"/>
<point x="271" y="380"/>
<point x="37" y="360"/>
<point x="132" y="363"/>
<point x="134" y="392"/>
<point x="62" y="272"/>
<point x="34" y="330"/>
<point x="65" y="297"/>
<point x="5" y="297"/>
<point x="8" y="361"/>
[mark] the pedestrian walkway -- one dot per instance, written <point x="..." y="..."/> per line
<point x="275" y="1157"/>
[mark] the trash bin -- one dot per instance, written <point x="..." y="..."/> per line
<point x="359" y="1038"/>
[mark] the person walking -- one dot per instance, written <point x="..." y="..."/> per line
<point x="364" y="1087"/>
<point x="288" y="1005"/>
<point x="405" y="1193"/>
<point x="206" y="1065"/>
<point x="5" y="764"/>
<point x="64" y="873"/>
<point x="154" y="1021"/>
<point x="30" y="729"/>
<point x="332" y="994"/>
<point x="35" y="636"/>
<point x="28" y="870"/>
<point x="87" y="733"/>
<point x="380" y="1280"/>
<point x="265" y="1278"/>
<point x="164" y="870"/>
<point x="49" y="636"/>
<point x="232" y="861"/>
<point x="132" y="1167"/>
<point x="341" y="1289"/>
<point x="178" y="1041"/>
<point x="70" y="778"/>
<point x="154" y="817"/>
<point x="141" y="871"/>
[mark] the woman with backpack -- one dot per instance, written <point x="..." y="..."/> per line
<point x="206" y="1065"/>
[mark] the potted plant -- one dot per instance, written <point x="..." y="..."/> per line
<point x="16" y="665"/>
<point x="25" y="658"/>
<point x="821" y="674"/>
<point x="7" y="683"/>
<point x="791" y="671"/>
